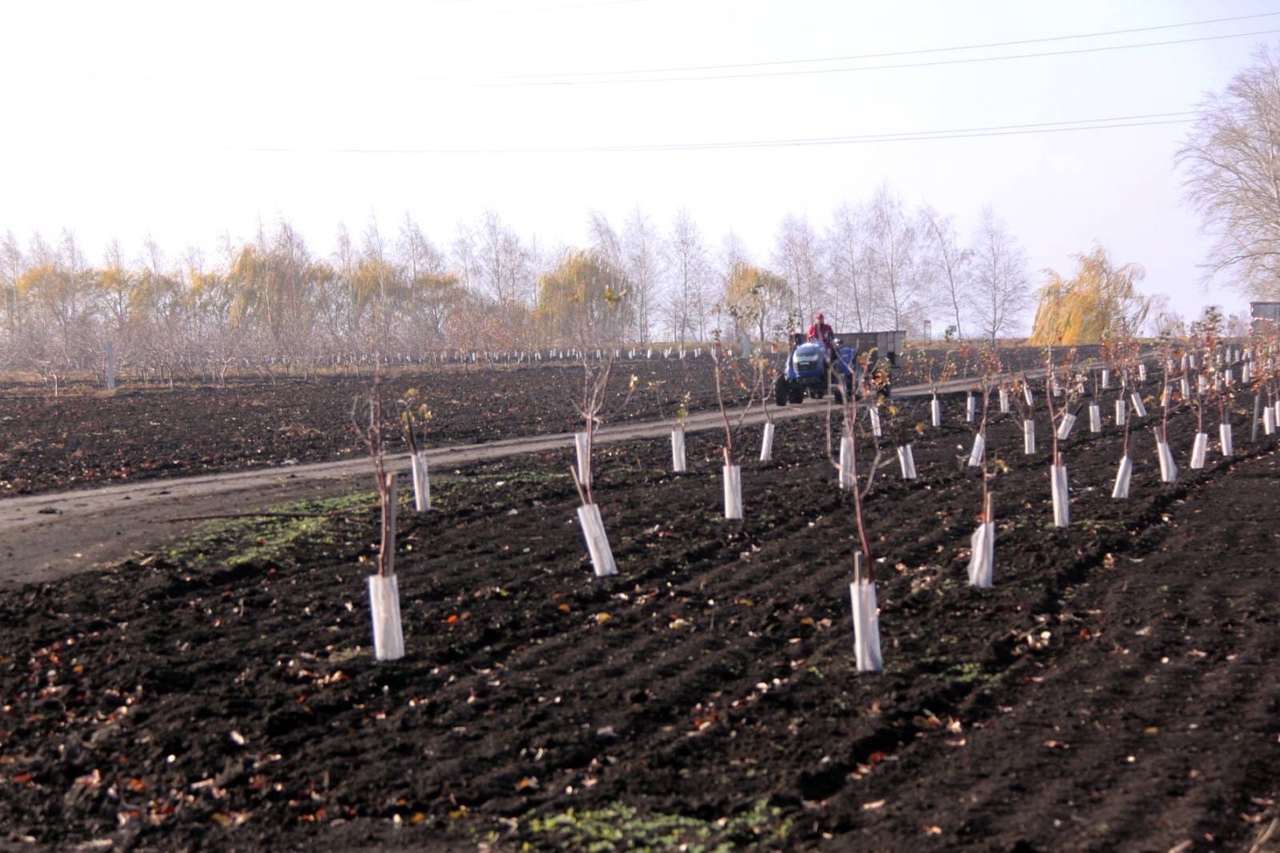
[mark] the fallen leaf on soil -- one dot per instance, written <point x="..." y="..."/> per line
<point x="872" y="806"/>
<point x="1056" y="744"/>
<point x="528" y="783"/>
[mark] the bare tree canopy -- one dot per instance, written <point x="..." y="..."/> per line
<point x="999" y="293"/>
<point x="1232" y="162"/>
<point x="948" y="264"/>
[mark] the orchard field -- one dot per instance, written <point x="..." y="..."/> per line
<point x="1117" y="687"/>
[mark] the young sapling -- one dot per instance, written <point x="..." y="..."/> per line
<point x="414" y="416"/>
<point x="384" y="590"/>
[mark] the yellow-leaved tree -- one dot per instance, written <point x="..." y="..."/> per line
<point x="757" y="299"/>
<point x="1099" y="301"/>
<point x="583" y="300"/>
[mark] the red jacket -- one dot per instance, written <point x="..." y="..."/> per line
<point x="821" y="332"/>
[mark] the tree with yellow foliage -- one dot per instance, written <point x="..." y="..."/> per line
<point x="757" y="299"/>
<point x="1099" y="301"/>
<point x="582" y="301"/>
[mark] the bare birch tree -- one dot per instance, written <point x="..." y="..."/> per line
<point x="999" y="291"/>
<point x="1232" y="163"/>
<point x="690" y="270"/>
<point x="797" y="258"/>
<point x="893" y="258"/>
<point x="851" y="298"/>
<point x="948" y="264"/>
<point x="642" y="261"/>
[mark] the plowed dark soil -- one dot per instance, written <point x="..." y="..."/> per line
<point x="1115" y="690"/>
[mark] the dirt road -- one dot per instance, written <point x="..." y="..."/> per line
<point x="48" y="536"/>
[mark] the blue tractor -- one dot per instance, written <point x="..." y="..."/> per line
<point x="815" y="370"/>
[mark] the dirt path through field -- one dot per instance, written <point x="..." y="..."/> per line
<point x="47" y="536"/>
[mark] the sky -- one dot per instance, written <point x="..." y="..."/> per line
<point x="182" y="122"/>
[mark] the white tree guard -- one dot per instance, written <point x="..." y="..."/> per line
<point x="979" y="448"/>
<point x="1224" y="436"/>
<point x="1027" y="395"/>
<point x="1028" y="436"/>
<point x="907" y="462"/>
<point x="384" y="605"/>
<point x="970" y="408"/>
<point x="1269" y="420"/>
<point x="421" y="481"/>
<point x="677" y="451"/>
<point x="766" y="442"/>
<point x="846" y="462"/>
<point x="1168" y="468"/>
<point x="866" y="626"/>
<point x="982" y="557"/>
<point x="1198" y="450"/>
<point x="935" y="411"/>
<point x="1122" y="408"/>
<point x="1061" y="497"/>
<point x="1095" y="418"/>
<point x="597" y="540"/>
<point x="873" y="414"/>
<point x="582" y="446"/>
<point x="1138" y="408"/>
<point x="1065" y="425"/>
<point x="1106" y="377"/>
<point x="733" y="492"/>
<point x="1004" y="401"/>
<point x="1123" y="476"/>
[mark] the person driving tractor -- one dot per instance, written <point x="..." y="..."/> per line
<point x="820" y="331"/>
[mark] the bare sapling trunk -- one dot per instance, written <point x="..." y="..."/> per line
<point x="1124" y="474"/>
<point x="732" y="471"/>
<point x="384" y="590"/>
<point x="982" y="543"/>
<point x="862" y="591"/>
<point x="1057" y="470"/>
<point x="595" y="384"/>
<point x="766" y="371"/>
<point x="414" y="416"/>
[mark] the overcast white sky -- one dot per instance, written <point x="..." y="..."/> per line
<point x="186" y="120"/>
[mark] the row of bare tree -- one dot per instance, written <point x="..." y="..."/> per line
<point x="273" y="302"/>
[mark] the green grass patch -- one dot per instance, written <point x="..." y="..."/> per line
<point x="269" y="538"/>
<point x="623" y="827"/>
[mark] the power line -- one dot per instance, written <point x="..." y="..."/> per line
<point x="1071" y="126"/>
<point x="1034" y="128"/>
<point x="860" y="57"/>
<point x="552" y="80"/>
<point x="684" y="74"/>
